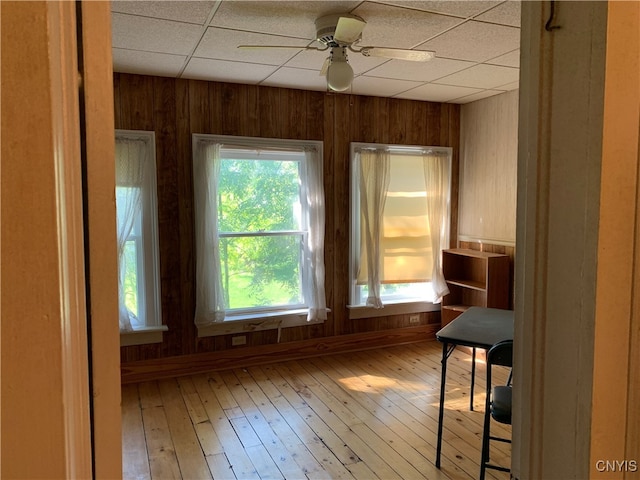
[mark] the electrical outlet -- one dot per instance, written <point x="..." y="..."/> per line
<point x="413" y="319"/>
<point x="239" y="340"/>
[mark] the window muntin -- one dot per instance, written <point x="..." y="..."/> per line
<point x="406" y="252"/>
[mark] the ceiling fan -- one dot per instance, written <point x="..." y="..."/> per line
<point x="339" y="33"/>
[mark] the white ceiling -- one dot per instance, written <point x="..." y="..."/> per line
<point x="476" y="44"/>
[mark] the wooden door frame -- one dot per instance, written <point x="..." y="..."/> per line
<point x="46" y="397"/>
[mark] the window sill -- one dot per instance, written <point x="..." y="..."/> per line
<point x="142" y="336"/>
<point x="361" y="311"/>
<point x="257" y="322"/>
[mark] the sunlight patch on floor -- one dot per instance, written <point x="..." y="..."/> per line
<point x="377" y="384"/>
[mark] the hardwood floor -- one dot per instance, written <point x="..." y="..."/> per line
<point x="363" y="415"/>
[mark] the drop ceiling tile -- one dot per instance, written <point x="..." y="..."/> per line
<point x="389" y="26"/>
<point x="432" y="92"/>
<point x="308" y="59"/>
<point x="147" y="63"/>
<point x="419" y="71"/>
<point x="361" y="64"/>
<point x="509" y="86"/>
<point x="511" y="59"/>
<point x="285" y="18"/>
<point x="507" y="13"/>
<point x="463" y="9"/>
<point x="152" y="35"/>
<point x="380" y="87"/>
<point x="222" y="44"/>
<point x="475" y="41"/>
<point x="297" y="78"/>
<point x="481" y="76"/>
<point x="179" y="11"/>
<point x="477" y="96"/>
<point x="224" y="71"/>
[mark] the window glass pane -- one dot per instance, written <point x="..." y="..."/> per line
<point x="260" y="271"/>
<point x="391" y="292"/>
<point x="132" y="267"/>
<point x="406" y="256"/>
<point x="258" y="195"/>
<point x="130" y="276"/>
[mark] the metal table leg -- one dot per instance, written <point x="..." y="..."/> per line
<point x="473" y="376"/>
<point x="446" y="352"/>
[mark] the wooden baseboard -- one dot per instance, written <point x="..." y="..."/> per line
<point x="147" y="370"/>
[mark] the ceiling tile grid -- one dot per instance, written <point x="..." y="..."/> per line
<point x="476" y="43"/>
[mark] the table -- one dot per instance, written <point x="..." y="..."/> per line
<point x="477" y="327"/>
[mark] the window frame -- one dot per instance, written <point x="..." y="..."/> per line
<point x="147" y="243"/>
<point x="263" y="317"/>
<point x="398" y="306"/>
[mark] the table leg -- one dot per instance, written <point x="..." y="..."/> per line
<point x="473" y="377"/>
<point x="446" y="351"/>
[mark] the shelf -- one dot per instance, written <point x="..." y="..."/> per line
<point x="456" y="308"/>
<point x="474" y="279"/>
<point x="468" y="284"/>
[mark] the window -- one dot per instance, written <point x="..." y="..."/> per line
<point x="138" y="287"/>
<point x="259" y="228"/>
<point x="399" y="224"/>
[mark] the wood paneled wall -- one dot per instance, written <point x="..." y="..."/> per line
<point x="488" y="161"/>
<point x="176" y="108"/>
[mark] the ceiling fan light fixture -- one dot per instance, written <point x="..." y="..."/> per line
<point x="339" y="72"/>
<point x="339" y="75"/>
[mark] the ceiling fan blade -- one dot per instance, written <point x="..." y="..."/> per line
<point x="256" y="47"/>
<point x="397" y="53"/>
<point x="348" y="30"/>
<point x="325" y="66"/>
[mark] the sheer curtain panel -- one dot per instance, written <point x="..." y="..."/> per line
<point x="437" y="179"/>
<point x="210" y="304"/>
<point x="374" y="182"/>
<point x="313" y="245"/>
<point x="131" y="162"/>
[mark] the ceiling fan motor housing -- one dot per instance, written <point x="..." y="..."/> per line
<point x="326" y="28"/>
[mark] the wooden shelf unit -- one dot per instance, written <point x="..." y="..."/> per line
<point x="474" y="279"/>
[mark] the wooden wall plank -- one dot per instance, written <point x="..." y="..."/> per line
<point x="315" y="116"/>
<point x="344" y="127"/>
<point x="175" y="109"/>
<point x="199" y="106"/>
<point x="168" y="207"/>
<point x="137" y="102"/>
<point x="382" y="134"/>
<point x="269" y="105"/>
<point x="216" y="108"/>
<point x="232" y="105"/>
<point x="398" y="121"/>
<point x="328" y="133"/>
<point x="294" y="112"/>
<point x="434" y="114"/>
<point x="117" y="103"/>
<point x="184" y="180"/>
<point x="252" y="120"/>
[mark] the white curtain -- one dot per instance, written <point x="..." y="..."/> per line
<point x="313" y="248"/>
<point x="437" y="181"/>
<point x="210" y="307"/>
<point x="131" y="169"/>
<point x="374" y="184"/>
